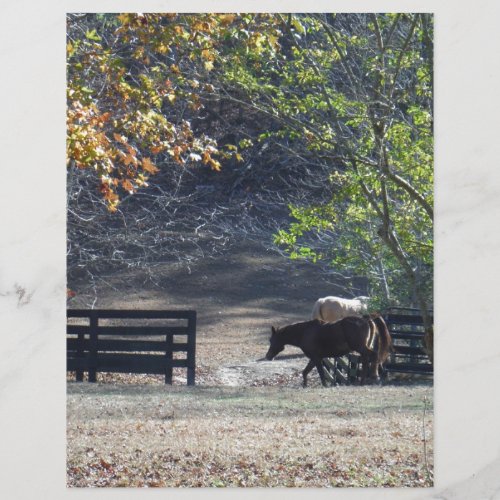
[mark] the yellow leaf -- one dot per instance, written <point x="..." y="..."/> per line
<point x="162" y="48"/>
<point x="227" y="19"/>
<point x="215" y="165"/>
<point x="125" y="18"/>
<point x="207" y="54"/>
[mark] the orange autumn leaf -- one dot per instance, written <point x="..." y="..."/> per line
<point x="104" y="117"/>
<point x="206" y="157"/>
<point x="148" y="166"/>
<point x="119" y="138"/>
<point x="128" y="186"/>
<point x="131" y="149"/>
<point x="130" y="159"/>
<point x="157" y="149"/>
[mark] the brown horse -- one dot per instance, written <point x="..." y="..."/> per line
<point x="367" y="335"/>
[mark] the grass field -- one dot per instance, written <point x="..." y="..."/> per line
<point x="152" y="435"/>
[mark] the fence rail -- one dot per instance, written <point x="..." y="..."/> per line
<point x="94" y="345"/>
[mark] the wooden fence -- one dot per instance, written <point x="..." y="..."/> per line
<point x="407" y="332"/>
<point x="344" y="369"/>
<point x="131" y="341"/>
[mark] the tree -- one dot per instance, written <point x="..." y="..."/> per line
<point x="133" y="85"/>
<point x="141" y="103"/>
<point x="356" y="91"/>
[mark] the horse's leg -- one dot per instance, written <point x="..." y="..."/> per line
<point x="382" y="372"/>
<point x="319" y="367"/>
<point x="365" y="361"/>
<point x="372" y="367"/>
<point x="374" y="375"/>
<point x="306" y="371"/>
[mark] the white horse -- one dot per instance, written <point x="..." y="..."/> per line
<point x="334" y="308"/>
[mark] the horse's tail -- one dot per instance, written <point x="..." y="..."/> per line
<point x="316" y="312"/>
<point x="385" y="341"/>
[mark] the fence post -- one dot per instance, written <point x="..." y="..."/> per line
<point x="93" y="347"/>
<point x="191" y="329"/>
<point x="392" y="355"/>
<point x="80" y="354"/>
<point x="169" y="355"/>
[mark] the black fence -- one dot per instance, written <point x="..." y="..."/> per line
<point x="131" y="341"/>
<point x="343" y="369"/>
<point x="406" y="327"/>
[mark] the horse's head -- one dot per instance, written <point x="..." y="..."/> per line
<point x="276" y="344"/>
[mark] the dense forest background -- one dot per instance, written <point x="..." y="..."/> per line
<point x="309" y="133"/>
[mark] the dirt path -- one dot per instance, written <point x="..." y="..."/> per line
<point x="238" y="297"/>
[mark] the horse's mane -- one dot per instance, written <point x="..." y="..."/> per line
<point x="384" y="336"/>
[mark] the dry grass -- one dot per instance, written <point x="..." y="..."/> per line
<point x="153" y="435"/>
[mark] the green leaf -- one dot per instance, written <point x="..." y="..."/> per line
<point x="298" y="26"/>
<point x="92" y="35"/>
